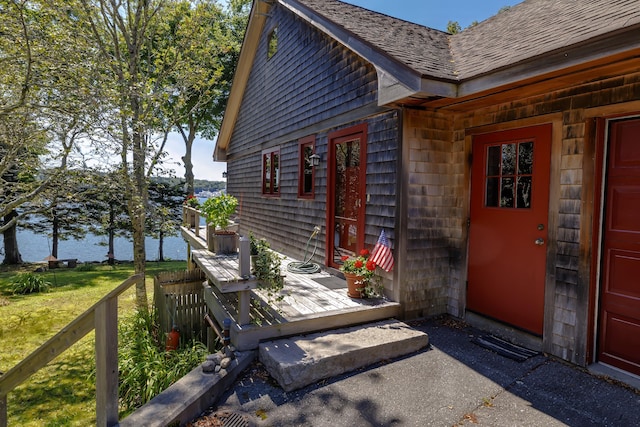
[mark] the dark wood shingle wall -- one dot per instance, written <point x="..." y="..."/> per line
<point x="433" y="215"/>
<point x="311" y="86"/>
<point x="310" y="79"/>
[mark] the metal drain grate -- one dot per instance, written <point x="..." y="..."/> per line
<point x="232" y="419"/>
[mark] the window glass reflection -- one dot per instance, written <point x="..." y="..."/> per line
<point x="506" y="193"/>
<point x="508" y="159"/>
<point x="525" y="158"/>
<point x="509" y="175"/>
<point x="524" y="192"/>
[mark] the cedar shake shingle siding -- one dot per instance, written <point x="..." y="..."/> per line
<point x="568" y="297"/>
<point x="424" y="95"/>
<point x="290" y="98"/>
<point x="289" y="93"/>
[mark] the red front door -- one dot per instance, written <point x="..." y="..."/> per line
<point x="345" y="189"/>
<point x="619" y="332"/>
<point x="508" y="226"/>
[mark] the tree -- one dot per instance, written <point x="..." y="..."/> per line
<point x="105" y="203"/>
<point x="124" y="32"/>
<point x="44" y="106"/>
<point x="453" y="27"/>
<point x="17" y="175"/>
<point x="60" y="210"/>
<point x="202" y="43"/>
<point x="165" y="210"/>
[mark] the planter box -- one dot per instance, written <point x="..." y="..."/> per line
<point x="222" y="242"/>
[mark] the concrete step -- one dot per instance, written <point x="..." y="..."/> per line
<point x="299" y="361"/>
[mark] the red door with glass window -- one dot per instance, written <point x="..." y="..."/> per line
<point x="619" y="329"/>
<point x="508" y="226"/>
<point x="346" y="185"/>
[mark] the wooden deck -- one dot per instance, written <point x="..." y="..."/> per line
<point x="308" y="302"/>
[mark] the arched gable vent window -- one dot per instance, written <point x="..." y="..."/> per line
<point x="273" y="43"/>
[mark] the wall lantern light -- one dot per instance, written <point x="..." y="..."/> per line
<point x="224" y="174"/>
<point x="315" y="159"/>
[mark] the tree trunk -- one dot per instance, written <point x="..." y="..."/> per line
<point x="111" y="255"/>
<point x="139" y="252"/>
<point x="54" y="234"/>
<point x="11" y="253"/>
<point x="160" y="249"/>
<point x="137" y="210"/>
<point x="186" y="159"/>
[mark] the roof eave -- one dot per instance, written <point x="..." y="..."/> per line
<point x="392" y="90"/>
<point x="590" y="51"/>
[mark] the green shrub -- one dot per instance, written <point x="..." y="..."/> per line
<point x="146" y="369"/>
<point x="29" y="283"/>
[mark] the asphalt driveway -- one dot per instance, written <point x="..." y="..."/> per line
<point x="452" y="382"/>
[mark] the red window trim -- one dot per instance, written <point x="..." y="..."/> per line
<point x="302" y="143"/>
<point x="270" y="152"/>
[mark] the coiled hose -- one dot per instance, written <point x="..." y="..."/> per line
<point x="306" y="267"/>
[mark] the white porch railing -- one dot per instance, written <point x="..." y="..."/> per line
<point x="103" y="317"/>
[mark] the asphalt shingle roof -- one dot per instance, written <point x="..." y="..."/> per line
<point x="423" y="49"/>
<point x="526" y="30"/>
<point x="535" y="27"/>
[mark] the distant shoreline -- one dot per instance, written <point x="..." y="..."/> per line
<point x="37" y="247"/>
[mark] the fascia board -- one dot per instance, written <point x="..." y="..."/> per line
<point x="255" y="25"/>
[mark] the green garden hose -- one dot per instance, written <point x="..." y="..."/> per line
<point x="306" y="267"/>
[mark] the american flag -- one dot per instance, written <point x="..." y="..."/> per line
<point x="381" y="254"/>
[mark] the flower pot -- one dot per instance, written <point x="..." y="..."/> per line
<point x="224" y="243"/>
<point x="354" y="285"/>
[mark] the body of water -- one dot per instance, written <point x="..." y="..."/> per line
<point x="36" y="247"/>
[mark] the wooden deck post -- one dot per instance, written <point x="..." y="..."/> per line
<point x="244" y="303"/>
<point x="106" y="325"/>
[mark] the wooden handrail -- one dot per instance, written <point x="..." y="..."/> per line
<point x="103" y="317"/>
<point x="186" y="210"/>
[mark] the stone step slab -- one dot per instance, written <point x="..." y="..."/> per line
<point x="299" y="361"/>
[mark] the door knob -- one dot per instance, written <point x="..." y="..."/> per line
<point x="539" y="241"/>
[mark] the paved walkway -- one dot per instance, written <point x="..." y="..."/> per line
<point x="453" y="382"/>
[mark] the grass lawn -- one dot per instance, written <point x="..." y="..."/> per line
<point x="63" y="393"/>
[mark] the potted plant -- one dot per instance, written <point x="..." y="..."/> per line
<point x="190" y="215"/>
<point x="361" y="277"/>
<point x="217" y="212"/>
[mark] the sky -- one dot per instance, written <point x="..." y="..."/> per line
<point x="431" y="13"/>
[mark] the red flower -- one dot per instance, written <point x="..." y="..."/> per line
<point x="192" y="201"/>
<point x="365" y="268"/>
<point x="344" y="257"/>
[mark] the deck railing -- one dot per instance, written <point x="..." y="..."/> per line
<point x="191" y="218"/>
<point x="103" y="317"/>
